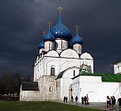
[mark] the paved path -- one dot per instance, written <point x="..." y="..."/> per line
<point x="101" y="106"/>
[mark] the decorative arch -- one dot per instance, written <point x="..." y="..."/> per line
<point x="86" y="55"/>
<point x="53" y="53"/>
<point x="69" y="53"/>
<point x="49" y="65"/>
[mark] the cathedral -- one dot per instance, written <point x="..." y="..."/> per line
<point x="62" y="69"/>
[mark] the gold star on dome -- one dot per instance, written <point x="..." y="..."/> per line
<point x="44" y="33"/>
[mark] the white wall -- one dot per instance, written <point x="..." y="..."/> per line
<point x="29" y="95"/>
<point x="65" y="85"/>
<point x="96" y="89"/>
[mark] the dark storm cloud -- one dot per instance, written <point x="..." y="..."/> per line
<point x="23" y="21"/>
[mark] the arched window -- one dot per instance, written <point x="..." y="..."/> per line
<point x="52" y="71"/>
<point x="50" y="89"/>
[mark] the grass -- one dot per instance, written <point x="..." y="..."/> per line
<point x="40" y="106"/>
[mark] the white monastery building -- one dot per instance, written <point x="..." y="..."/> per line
<point x="62" y="69"/>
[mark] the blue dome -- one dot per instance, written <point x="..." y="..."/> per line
<point x="61" y="31"/>
<point x="77" y="39"/>
<point x="49" y="36"/>
<point x="41" y="45"/>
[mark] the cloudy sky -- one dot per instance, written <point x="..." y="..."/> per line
<point x="23" y="21"/>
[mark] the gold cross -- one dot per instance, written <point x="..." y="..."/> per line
<point x="44" y="33"/>
<point x="77" y="27"/>
<point x="60" y="9"/>
<point x="49" y="23"/>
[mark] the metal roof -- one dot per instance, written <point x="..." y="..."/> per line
<point x="30" y="86"/>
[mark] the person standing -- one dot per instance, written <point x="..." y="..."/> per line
<point x="108" y="101"/>
<point x="85" y="100"/>
<point x="119" y="101"/>
<point x="76" y="98"/>
<point x="113" y="103"/>
<point x="72" y="98"/>
<point x="82" y="100"/>
<point x="64" y="99"/>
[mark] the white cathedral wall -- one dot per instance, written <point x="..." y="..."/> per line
<point x="65" y="85"/>
<point x="43" y="65"/>
<point x="76" y="89"/>
<point x="70" y="73"/>
<point x="96" y="89"/>
<point x="68" y="63"/>
<point x="66" y="82"/>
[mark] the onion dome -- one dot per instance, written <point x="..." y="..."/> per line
<point x="49" y="36"/>
<point x="77" y="39"/>
<point x="60" y="30"/>
<point x="41" y="45"/>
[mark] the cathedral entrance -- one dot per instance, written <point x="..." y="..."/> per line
<point x="70" y="93"/>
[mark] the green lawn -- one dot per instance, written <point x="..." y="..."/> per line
<point x="39" y="106"/>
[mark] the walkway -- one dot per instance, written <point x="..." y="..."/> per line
<point x="100" y="106"/>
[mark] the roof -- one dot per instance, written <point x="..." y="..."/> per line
<point x="77" y="39"/>
<point x="117" y="62"/>
<point x="105" y="77"/>
<point x="41" y="45"/>
<point x="60" y="75"/>
<point x="49" y="36"/>
<point x="30" y="86"/>
<point x="61" y="31"/>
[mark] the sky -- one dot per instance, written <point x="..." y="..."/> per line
<point x="23" y="21"/>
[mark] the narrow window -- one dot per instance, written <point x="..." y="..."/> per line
<point x="49" y="46"/>
<point x="52" y="71"/>
<point x="50" y="89"/>
<point x="73" y="72"/>
<point x="61" y="44"/>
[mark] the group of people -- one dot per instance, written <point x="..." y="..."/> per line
<point x="76" y="99"/>
<point x="111" y="101"/>
<point x="65" y="99"/>
<point x="85" y="100"/>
